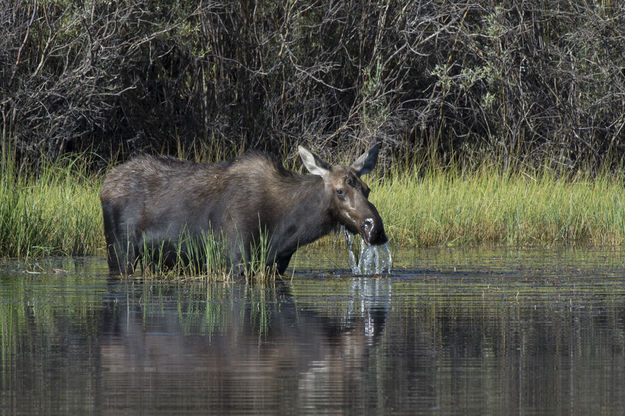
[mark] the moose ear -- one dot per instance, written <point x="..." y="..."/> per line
<point x="366" y="162"/>
<point x="313" y="163"/>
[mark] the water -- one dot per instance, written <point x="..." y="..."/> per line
<point x="466" y="332"/>
<point x="370" y="261"/>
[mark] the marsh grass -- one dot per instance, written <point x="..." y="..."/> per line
<point x="256" y="268"/>
<point x="56" y="212"/>
<point x="489" y="206"/>
<point x="205" y="257"/>
<point x="188" y="256"/>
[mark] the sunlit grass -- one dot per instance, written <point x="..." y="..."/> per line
<point x="54" y="213"/>
<point x="487" y="206"/>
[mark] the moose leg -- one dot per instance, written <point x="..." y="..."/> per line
<point x="121" y="246"/>
<point x="237" y="256"/>
<point x="282" y="262"/>
<point x="116" y="258"/>
<point x="114" y="252"/>
<point x="122" y="256"/>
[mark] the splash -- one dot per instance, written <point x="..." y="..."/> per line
<point x="372" y="259"/>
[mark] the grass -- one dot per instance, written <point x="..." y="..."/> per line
<point x="488" y="206"/>
<point x="203" y="256"/>
<point x="206" y="257"/>
<point x="58" y="212"/>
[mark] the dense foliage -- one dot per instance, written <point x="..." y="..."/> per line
<point x="521" y="81"/>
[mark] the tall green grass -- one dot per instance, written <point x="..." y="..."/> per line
<point x="489" y="206"/>
<point x="56" y="212"/>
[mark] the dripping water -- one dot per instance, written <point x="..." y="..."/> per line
<point x="370" y="260"/>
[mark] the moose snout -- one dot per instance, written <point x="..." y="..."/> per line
<point x="373" y="231"/>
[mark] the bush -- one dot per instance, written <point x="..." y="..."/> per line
<point x="525" y="81"/>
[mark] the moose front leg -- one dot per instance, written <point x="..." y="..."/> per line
<point x="282" y="262"/>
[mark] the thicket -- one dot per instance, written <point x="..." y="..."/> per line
<point x="539" y="82"/>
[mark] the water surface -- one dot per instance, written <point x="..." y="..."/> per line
<point x="473" y="331"/>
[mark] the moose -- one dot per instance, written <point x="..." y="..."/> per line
<point x="149" y="201"/>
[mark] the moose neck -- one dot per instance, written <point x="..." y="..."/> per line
<point x="308" y="217"/>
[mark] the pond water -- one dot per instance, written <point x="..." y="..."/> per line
<point x="467" y="332"/>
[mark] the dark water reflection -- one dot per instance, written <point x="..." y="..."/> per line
<point x="462" y="332"/>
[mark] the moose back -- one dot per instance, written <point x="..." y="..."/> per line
<point x="150" y="201"/>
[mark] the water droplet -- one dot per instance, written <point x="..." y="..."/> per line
<point x="370" y="260"/>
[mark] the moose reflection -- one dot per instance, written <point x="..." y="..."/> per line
<point x="236" y="345"/>
<point x="151" y="201"/>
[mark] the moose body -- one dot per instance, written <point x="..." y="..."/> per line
<point x="150" y="201"/>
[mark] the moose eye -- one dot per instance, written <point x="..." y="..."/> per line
<point x="340" y="193"/>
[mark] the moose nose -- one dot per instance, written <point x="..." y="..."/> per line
<point x="368" y="225"/>
<point x="374" y="234"/>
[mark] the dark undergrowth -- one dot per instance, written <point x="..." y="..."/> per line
<point x="525" y="82"/>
